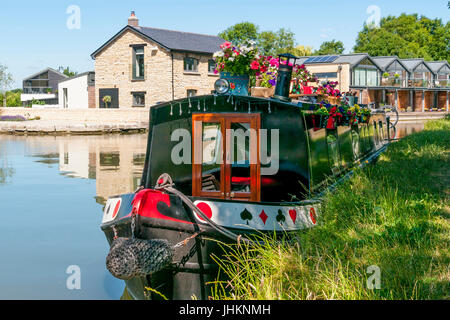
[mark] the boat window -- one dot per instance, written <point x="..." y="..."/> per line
<point x="333" y="151"/>
<point x="375" y="135"/>
<point x="381" y="130"/>
<point x="240" y="157"/>
<point x="225" y="152"/>
<point x="355" y="143"/>
<point x="211" y="163"/>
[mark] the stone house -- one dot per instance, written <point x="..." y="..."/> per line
<point x="140" y="66"/>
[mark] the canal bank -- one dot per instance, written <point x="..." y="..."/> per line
<point x="383" y="234"/>
<point x="64" y="121"/>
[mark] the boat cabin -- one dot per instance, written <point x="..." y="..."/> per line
<point x="243" y="148"/>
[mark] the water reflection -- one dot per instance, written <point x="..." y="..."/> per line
<point x="115" y="162"/>
<point x="52" y="191"/>
<point x="6" y="171"/>
<point x="405" y="129"/>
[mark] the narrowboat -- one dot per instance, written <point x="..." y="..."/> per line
<point x="223" y="167"/>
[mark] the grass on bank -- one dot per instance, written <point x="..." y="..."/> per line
<point x="393" y="215"/>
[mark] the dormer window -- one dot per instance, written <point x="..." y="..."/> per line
<point x="190" y="64"/>
<point x="138" y="63"/>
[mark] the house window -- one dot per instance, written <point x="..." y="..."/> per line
<point x="191" y="93"/>
<point x="138" y="99"/>
<point x="190" y="64"/>
<point x="138" y="63"/>
<point x="326" y="75"/>
<point x="211" y="66"/>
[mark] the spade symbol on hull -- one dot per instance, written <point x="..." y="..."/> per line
<point x="246" y="215"/>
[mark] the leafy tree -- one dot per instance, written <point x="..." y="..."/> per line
<point x="67" y="71"/>
<point x="407" y="36"/>
<point x="240" y="32"/>
<point x="273" y="43"/>
<point x="285" y="41"/>
<point x="266" y="42"/>
<point x="330" y="47"/>
<point x="301" y="51"/>
<point x="6" y="80"/>
<point x="269" y="42"/>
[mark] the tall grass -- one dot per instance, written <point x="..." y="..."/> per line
<point x="393" y="215"/>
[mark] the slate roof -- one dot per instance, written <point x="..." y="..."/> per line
<point x="173" y="40"/>
<point x="411" y="64"/>
<point x="44" y="71"/>
<point x="352" y="59"/>
<point x="436" y="66"/>
<point x="183" y="41"/>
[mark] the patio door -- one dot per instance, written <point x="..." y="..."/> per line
<point x="226" y="162"/>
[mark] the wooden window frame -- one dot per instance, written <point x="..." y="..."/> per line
<point x="225" y="120"/>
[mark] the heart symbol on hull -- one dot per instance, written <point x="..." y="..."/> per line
<point x="293" y="215"/>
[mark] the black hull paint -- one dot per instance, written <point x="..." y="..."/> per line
<point x="193" y="270"/>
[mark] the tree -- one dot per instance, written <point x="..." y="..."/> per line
<point x="330" y="47"/>
<point x="266" y="43"/>
<point x="301" y="51"/>
<point x="6" y="80"/>
<point x="67" y="71"/>
<point x="407" y="36"/>
<point x="240" y="32"/>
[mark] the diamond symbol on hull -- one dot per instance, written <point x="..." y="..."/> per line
<point x="263" y="217"/>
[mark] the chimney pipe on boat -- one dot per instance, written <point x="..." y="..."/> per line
<point x="285" y="67"/>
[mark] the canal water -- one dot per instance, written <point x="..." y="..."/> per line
<point x="52" y="193"/>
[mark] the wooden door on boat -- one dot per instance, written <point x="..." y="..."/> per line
<point x="226" y="162"/>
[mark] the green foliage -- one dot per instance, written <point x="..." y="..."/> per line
<point x="407" y="36"/>
<point x="240" y="32"/>
<point x="67" y="71"/>
<point x="270" y="43"/>
<point x="12" y="98"/>
<point x="393" y="215"/>
<point x="330" y="47"/>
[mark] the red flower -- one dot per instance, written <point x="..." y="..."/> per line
<point x="232" y="86"/>
<point x="254" y="65"/>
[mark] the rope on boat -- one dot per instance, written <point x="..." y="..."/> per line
<point x="165" y="183"/>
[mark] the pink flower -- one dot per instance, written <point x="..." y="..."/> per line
<point x="274" y="62"/>
<point x="227" y="44"/>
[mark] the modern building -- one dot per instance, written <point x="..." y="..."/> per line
<point x="42" y="86"/>
<point x="77" y="92"/>
<point x="409" y="84"/>
<point x="140" y="66"/>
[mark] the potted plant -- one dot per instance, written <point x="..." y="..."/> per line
<point x="397" y="78"/>
<point x="237" y="64"/>
<point x="266" y="77"/>
<point x="106" y="100"/>
<point x="49" y="90"/>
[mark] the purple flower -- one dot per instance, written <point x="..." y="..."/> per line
<point x="272" y="82"/>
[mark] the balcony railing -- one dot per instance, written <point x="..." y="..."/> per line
<point x="393" y="82"/>
<point x="443" y="83"/>
<point x="36" y="90"/>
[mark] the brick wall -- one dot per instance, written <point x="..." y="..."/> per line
<point x="91" y="97"/>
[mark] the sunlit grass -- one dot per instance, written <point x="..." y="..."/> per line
<point x="394" y="215"/>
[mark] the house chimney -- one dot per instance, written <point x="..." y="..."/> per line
<point x="133" y="20"/>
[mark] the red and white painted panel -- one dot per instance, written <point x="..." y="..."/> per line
<point x="112" y="207"/>
<point x="259" y="217"/>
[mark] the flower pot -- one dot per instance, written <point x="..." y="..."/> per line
<point x="238" y="83"/>
<point x="262" y="92"/>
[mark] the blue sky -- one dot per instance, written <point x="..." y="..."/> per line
<point x="34" y="34"/>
